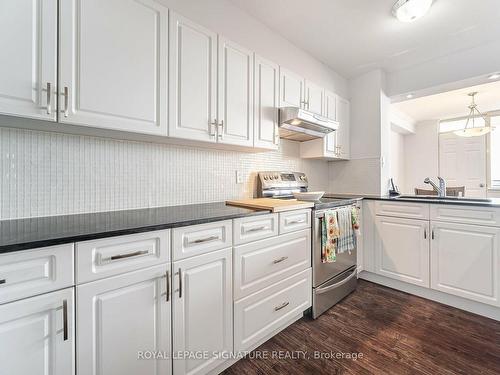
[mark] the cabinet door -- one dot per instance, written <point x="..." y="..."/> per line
<point x="235" y="101"/>
<point x="266" y="96"/>
<point x="343" y="132"/>
<point x="28" y="74"/>
<point x="193" y="80"/>
<point x="34" y="338"/>
<point x="330" y="111"/>
<point x="465" y="261"/>
<point x="113" y="64"/>
<point x="314" y="98"/>
<point x="120" y="318"/>
<point x="292" y="91"/>
<point x="402" y="249"/>
<point x="203" y="310"/>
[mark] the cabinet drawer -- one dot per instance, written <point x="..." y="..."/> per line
<point x="402" y="209"/>
<point x="30" y="272"/>
<point x="106" y="257"/>
<point x="489" y="216"/>
<point x="294" y="220"/>
<point x="201" y="239"/>
<point x="253" y="228"/>
<point x="260" y="314"/>
<point x="265" y="262"/>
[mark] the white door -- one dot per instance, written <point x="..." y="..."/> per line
<point x="343" y="132"/>
<point x="34" y="339"/>
<point x="402" y="249"/>
<point x="330" y="111"/>
<point x="235" y="100"/>
<point x="465" y="261"/>
<point x="193" y="80"/>
<point x="266" y="96"/>
<point x="113" y="64"/>
<point x="119" y="318"/>
<point x="462" y="162"/>
<point x="28" y="58"/>
<point x="292" y="90"/>
<point x="203" y="310"/>
<point x="314" y="98"/>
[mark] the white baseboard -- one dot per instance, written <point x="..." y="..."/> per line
<point x="434" y="295"/>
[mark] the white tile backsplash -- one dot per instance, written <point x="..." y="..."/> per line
<point x="46" y="174"/>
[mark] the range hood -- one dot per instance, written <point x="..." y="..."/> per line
<point x="298" y="124"/>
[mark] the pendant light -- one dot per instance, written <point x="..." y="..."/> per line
<point x="411" y="10"/>
<point x="473" y="131"/>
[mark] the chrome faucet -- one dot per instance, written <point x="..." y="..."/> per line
<point x="441" y="189"/>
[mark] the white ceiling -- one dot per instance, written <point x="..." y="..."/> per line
<point x="356" y="36"/>
<point x="452" y="103"/>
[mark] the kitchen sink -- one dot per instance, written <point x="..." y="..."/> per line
<point x="437" y="198"/>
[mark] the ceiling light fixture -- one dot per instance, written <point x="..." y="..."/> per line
<point x="410" y="10"/>
<point x="409" y="96"/>
<point x="494" y="76"/>
<point x="474" y="113"/>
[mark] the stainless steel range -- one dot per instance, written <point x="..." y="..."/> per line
<point x="331" y="281"/>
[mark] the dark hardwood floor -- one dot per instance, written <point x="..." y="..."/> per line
<point x="396" y="333"/>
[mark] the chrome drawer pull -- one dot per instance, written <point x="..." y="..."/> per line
<point x="256" y="229"/>
<point x="279" y="260"/>
<point x="296" y="222"/>
<point x="65" y="93"/>
<point x="207" y="239"/>
<point x="3" y="281"/>
<point x="167" y="286"/>
<point x="282" y="306"/>
<point x="180" y="282"/>
<point x="49" y="97"/>
<point x="64" y="308"/>
<point x="123" y="256"/>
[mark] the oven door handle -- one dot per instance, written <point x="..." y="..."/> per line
<point x="336" y="285"/>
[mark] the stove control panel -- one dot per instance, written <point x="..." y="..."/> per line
<point x="274" y="180"/>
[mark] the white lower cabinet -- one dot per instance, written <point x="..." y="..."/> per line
<point x="123" y="319"/>
<point x="37" y="335"/>
<point x="260" y="314"/>
<point x="465" y="261"/>
<point x="402" y="249"/>
<point x="202" y="312"/>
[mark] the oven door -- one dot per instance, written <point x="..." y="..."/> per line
<point x="325" y="271"/>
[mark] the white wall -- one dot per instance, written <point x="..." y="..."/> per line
<point x="397" y="159"/>
<point x="421" y="155"/>
<point x="52" y="174"/>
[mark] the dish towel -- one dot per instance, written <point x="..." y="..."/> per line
<point x="346" y="239"/>
<point x="330" y="233"/>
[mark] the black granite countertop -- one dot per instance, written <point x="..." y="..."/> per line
<point x="30" y="233"/>
<point x="490" y="202"/>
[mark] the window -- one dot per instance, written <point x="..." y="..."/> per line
<point x="495" y="152"/>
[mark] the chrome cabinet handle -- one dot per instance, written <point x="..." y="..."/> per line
<point x="221" y="133"/>
<point x="296" y="222"/>
<point x="123" y="256"/>
<point x="180" y="282"/>
<point x="282" y="306"/>
<point x="167" y="286"/>
<point x="207" y="239"/>
<point x="256" y="229"/>
<point x="276" y="135"/>
<point x="49" y="98"/>
<point x="213" y="128"/>
<point x="279" y="260"/>
<point x="3" y="281"/>
<point x="432" y="235"/>
<point x="65" y="93"/>
<point x="481" y="185"/>
<point x="425" y="233"/>
<point x="65" y="320"/>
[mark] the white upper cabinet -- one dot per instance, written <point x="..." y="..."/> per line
<point x="122" y="316"/>
<point x="193" y="80"/>
<point x="292" y="89"/>
<point x="37" y="335"/>
<point x="266" y="97"/>
<point x="330" y="111"/>
<point x="113" y="64"/>
<point x="235" y="100"/>
<point x="28" y="58"/>
<point x="202" y="310"/>
<point x="314" y="97"/>
<point x="343" y="132"/>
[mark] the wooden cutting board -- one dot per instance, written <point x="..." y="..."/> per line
<point x="274" y="205"/>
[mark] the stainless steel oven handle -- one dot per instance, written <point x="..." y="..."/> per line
<point x="336" y="285"/>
